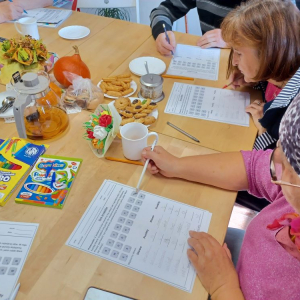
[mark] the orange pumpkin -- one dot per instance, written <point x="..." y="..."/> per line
<point x="72" y="64"/>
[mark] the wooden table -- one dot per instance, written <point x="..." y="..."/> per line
<point x="218" y="136"/>
<point x="55" y="271"/>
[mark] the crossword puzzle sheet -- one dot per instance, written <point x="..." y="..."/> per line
<point x="144" y="232"/>
<point x="192" y="61"/>
<point x="208" y="103"/>
<point x="15" y="242"/>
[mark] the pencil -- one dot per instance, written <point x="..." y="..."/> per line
<point x="183" y="132"/>
<point x="177" y="77"/>
<point x="124" y="160"/>
<point x="144" y="169"/>
<point x="229" y="84"/>
<point x="167" y="37"/>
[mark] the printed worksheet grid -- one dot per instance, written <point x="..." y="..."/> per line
<point x="116" y="246"/>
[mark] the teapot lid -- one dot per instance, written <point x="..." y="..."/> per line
<point x="30" y="83"/>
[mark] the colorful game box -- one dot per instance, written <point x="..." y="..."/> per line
<point x="49" y="182"/>
<point x="17" y="156"/>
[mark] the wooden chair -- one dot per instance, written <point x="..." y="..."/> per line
<point x="77" y="4"/>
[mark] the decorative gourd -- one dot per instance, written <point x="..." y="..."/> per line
<point x="72" y="64"/>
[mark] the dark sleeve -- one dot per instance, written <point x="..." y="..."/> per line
<point x="167" y="13"/>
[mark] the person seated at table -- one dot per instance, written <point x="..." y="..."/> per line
<point x="269" y="260"/>
<point x="265" y="49"/>
<point x="210" y="12"/>
<point x="13" y="10"/>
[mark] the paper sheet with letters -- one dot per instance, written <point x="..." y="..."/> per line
<point x="15" y="241"/>
<point x="212" y="104"/>
<point x="144" y="232"/>
<point x="192" y="61"/>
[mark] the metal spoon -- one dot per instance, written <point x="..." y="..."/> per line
<point x="146" y="66"/>
<point x="7" y="103"/>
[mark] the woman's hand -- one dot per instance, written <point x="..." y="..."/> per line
<point x="237" y="79"/>
<point x="162" y="45"/>
<point x="212" y="38"/>
<point x="256" y="109"/>
<point x="161" y="161"/>
<point x="214" y="266"/>
<point x="10" y="11"/>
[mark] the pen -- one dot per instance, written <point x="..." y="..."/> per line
<point x="144" y="169"/>
<point x="15" y="292"/>
<point x="23" y="9"/>
<point x="229" y="84"/>
<point x="167" y="37"/>
<point x="183" y="132"/>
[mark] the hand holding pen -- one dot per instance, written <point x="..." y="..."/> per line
<point x="165" y="42"/>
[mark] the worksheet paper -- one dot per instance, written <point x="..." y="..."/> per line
<point x="48" y="17"/>
<point x="15" y="241"/>
<point x="144" y="232"/>
<point x="206" y="103"/>
<point x="192" y="61"/>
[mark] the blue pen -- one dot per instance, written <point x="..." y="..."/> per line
<point x="167" y="37"/>
<point x="23" y="9"/>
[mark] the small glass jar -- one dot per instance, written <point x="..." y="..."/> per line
<point x="152" y="87"/>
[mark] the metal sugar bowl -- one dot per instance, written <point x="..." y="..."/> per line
<point x="39" y="113"/>
<point x="152" y="87"/>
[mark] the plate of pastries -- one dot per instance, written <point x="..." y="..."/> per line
<point x="118" y="86"/>
<point x="137" y="110"/>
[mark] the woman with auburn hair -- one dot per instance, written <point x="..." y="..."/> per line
<point x="269" y="261"/>
<point x="265" y="41"/>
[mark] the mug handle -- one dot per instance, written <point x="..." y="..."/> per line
<point x="156" y="139"/>
<point x="17" y="27"/>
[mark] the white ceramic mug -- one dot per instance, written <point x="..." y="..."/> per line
<point x="134" y="139"/>
<point x="28" y="26"/>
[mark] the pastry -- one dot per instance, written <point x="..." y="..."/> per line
<point x="136" y="102"/>
<point x="126" y="114"/>
<point x="141" y="120"/>
<point x="152" y="106"/>
<point x="149" y="120"/>
<point x="138" y="109"/>
<point x="140" y="115"/>
<point x="146" y="111"/>
<point x="126" y="121"/>
<point x="121" y="103"/>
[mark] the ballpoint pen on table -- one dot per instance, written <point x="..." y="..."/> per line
<point x="14" y="293"/>
<point x="23" y="9"/>
<point x="183" y="132"/>
<point x="167" y="37"/>
<point x="144" y="169"/>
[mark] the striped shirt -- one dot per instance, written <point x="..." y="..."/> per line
<point x="274" y="111"/>
<point x="211" y="13"/>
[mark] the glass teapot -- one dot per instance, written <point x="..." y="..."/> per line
<point x="39" y="113"/>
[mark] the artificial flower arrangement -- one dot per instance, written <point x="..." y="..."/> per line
<point x="102" y="128"/>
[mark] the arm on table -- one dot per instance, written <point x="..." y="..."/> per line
<point x="224" y="170"/>
<point x="31" y="4"/>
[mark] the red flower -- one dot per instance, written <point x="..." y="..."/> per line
<point x="90" y="134"/>
<point x="105" y="120"/>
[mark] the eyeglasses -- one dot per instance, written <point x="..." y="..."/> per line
<point x="276" y="171"/>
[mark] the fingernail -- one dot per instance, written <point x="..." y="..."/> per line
<point x="143" y="152"/>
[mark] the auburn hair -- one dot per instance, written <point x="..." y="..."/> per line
<point x="272" y="27"/>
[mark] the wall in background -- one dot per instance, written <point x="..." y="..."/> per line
<point x="146" y="7"/>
